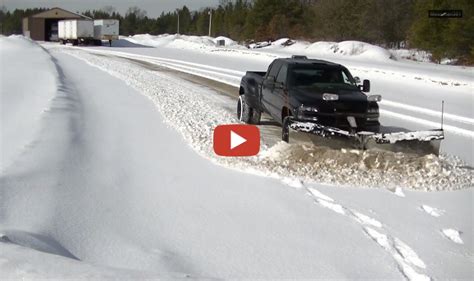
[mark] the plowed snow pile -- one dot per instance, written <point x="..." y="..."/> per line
<point x="344" y="48"/>
<point x="194" y="112"/>
<point x="179" y="41"/>
<point x="321" y="48"/>
<point x="366" y="168"/>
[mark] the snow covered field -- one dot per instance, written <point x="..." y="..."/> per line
<point x="105" y="180"/>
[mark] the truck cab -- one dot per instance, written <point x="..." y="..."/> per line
<point x="310" y="90"/>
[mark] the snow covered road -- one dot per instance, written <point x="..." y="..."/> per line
<point x="113" y="179"/>
<point x="196" y="118"/>
<point x="412" y="92"/>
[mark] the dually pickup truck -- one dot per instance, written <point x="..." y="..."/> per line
<point x="318" y="97"/>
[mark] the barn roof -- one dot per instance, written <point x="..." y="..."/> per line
<point x="57" y="12"/>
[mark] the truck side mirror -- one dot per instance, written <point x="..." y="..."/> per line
<point x="366" y="86"/>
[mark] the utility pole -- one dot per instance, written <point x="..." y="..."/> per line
<point x="178" y="21"/>
<point x="210" y="22"/>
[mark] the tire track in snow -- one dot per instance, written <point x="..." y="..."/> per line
<point x="432" y="211"/>
<point x="405" y="257"/>
<point x="453" y="235"/>
<point x="450" y="233"/>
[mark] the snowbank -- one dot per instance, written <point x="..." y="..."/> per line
<point x="150" y="40"/>
<point x="344" y="49"/>
<point x="227" y="41"/>
<point x="23" y="98"/>
<point x="351" y="48"/>
<point x="354" y="49"/>
<point x="418" y="55"/>
<point x="411" y="54"/>
<point x="280" y="41"/>
<point x="179" y="41"/>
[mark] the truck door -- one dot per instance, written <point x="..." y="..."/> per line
<point x="268" y="86"/>
<point x="280" y="92"/>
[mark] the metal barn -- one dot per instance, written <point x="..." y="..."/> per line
<point x="44" y="26"/>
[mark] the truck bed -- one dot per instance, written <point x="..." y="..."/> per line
<point x="254" y="76"/>
<point x="256" y="73"/>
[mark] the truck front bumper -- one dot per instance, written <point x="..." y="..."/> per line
<point x="346" y="121"/>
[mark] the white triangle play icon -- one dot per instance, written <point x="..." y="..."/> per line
<point x="235" y="140"/>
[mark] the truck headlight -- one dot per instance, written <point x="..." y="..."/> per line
<point x="375" y="98"/>
<point x="309" y="109"/>
<point x="330" y="97"/>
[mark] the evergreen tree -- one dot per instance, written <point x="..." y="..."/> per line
<point x="444" y="37"/>
<point x="382" y="22"/>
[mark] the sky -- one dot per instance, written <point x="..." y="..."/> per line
<point x="152" y="7"/>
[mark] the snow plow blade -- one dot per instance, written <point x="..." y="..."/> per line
<point x="415" y="142"/>
<point x="419" y="142"/>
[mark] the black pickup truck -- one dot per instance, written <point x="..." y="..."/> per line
<point x="298" y="89"/>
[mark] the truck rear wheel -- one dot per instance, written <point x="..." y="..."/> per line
<point x="243" y="110"/>
<point x="256" y="116"/>
<point x="246" y="113"/>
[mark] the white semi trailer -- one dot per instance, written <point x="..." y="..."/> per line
<point x="75" y="31"/>
<point x="106" y="30"/>
<point x="88" y="31"/>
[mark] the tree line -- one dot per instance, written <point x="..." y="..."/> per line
<point x="388" y="23"/>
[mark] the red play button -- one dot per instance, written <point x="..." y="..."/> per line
<point x="236" y="140"/>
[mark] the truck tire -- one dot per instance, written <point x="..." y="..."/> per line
<point x="246" y="113"/>
<point x="255" y="116"/>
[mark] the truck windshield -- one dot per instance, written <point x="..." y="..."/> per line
<point x="308" y="75"/>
